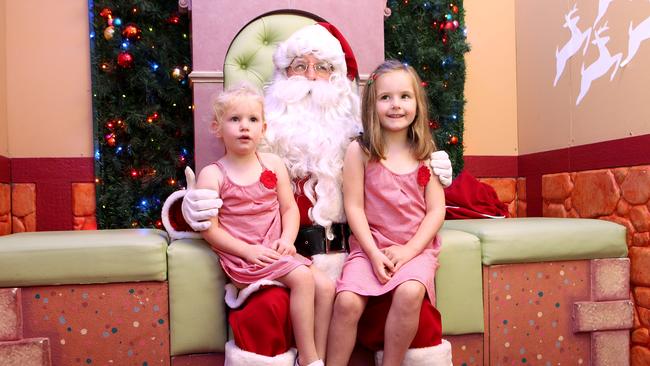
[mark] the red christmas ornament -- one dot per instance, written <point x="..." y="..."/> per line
<point x="174" y="19"/>
<point x="152" y="118"/>
<point x="110" y="139"/>
<point x="105" y="13"/>
<point x="125" y="59"/>
<point x="158" y="223"/>
<point x="435" y="25"/>
<point x="134" y="173"/>
<point x="449" y="25"/>
<point x="424" y="84"/>
<point x="434" y="125"/>
<point x="455" y="24"/>
<point x="454" y="8"/>
<point x="268" y="179"/>
<point x="132" y="32"/>
<point x="453" y="140"/>
<point x="110" y="125"/>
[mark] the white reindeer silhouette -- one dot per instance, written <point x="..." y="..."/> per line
<point x="599" y="67"/>
<point x="578" y="37"/>
<point x="602" y="9"/>
<point x="637" y="35"/>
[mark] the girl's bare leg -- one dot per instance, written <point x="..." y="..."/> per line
<point x="300" y="282"/>
<point x="402" y="321"/>
<point x="348" y="308"/>
<point x="324" y="301"/>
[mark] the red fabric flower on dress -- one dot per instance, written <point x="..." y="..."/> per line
<point x="268" y="179"/>
<point x="423" y="176"/>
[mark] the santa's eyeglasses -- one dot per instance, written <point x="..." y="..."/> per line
<point x="300" y="67"/>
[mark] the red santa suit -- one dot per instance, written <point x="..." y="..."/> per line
<point x="260" y="319"/>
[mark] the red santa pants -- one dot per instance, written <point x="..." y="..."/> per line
<point x="262" y="325"/>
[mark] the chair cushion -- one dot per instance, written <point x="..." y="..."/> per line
<point x="250" y="56"/>
<point x="82" y="257"/>
<point x="542" y="239"/>
<point x="197" y="312"/>
<point x="459" y="283"/>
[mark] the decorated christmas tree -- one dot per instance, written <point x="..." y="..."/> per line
<point x="430" y="36"/>
<point x="142" y="105"/>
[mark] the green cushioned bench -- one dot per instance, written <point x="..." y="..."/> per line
<point x="459" y="289"/>
<point x="82" y="257"/>
<point x="196" y="298"/>
<point x="540" y="239"/>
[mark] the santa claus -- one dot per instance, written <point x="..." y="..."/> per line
<point x="312" y="110"/>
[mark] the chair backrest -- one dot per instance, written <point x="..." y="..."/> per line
<point x="250" y="56"/>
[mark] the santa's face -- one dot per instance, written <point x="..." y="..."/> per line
<point x="311" y="123"/>
<point x="310" y="67"/>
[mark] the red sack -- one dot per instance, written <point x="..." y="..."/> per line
<point x="262" y="324"/>
<point x="467" y="198"/>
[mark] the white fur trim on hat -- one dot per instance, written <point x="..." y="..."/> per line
<point x="173" y="233"/>
<point x="236" y="356"/>
<point x="331" y="264"/>
<point x="314" y="39"/>
<point x="439" y="355"/>
<point x="235" y="297"/>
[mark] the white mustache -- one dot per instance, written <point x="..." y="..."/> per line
<point x="298" y="88"/>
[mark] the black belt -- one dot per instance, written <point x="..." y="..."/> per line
<point x="311" y="240"/>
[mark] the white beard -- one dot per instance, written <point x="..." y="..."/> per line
<point x="310" y="125"/>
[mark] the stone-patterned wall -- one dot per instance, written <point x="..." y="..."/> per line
<point x="83" y="206"/>
<point x="18" y="207"/>
<point x="5" y="209"/>
<point x="512" y="192"/>
<point x="23" y="207"/>
<point x="621" y="195"/>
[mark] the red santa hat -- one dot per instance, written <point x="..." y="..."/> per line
<point x="325" y="42"/>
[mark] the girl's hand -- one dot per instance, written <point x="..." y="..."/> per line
<point x="261" y="255"/>
<point x="398" y="255"/>
<point x="283" y="247"/>
<point x="382" y="266"/>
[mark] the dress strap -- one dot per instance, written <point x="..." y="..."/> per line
<point x="222" y="169"/>
<point x="260" y="161"/>
<point x="220" y="166"/>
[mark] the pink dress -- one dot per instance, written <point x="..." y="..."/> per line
<point x="394" y="205"/>
<point x="251" y="213"/>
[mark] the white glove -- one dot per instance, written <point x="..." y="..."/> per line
<point x="441" y="166"/>
<point x="199" y="205"/>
